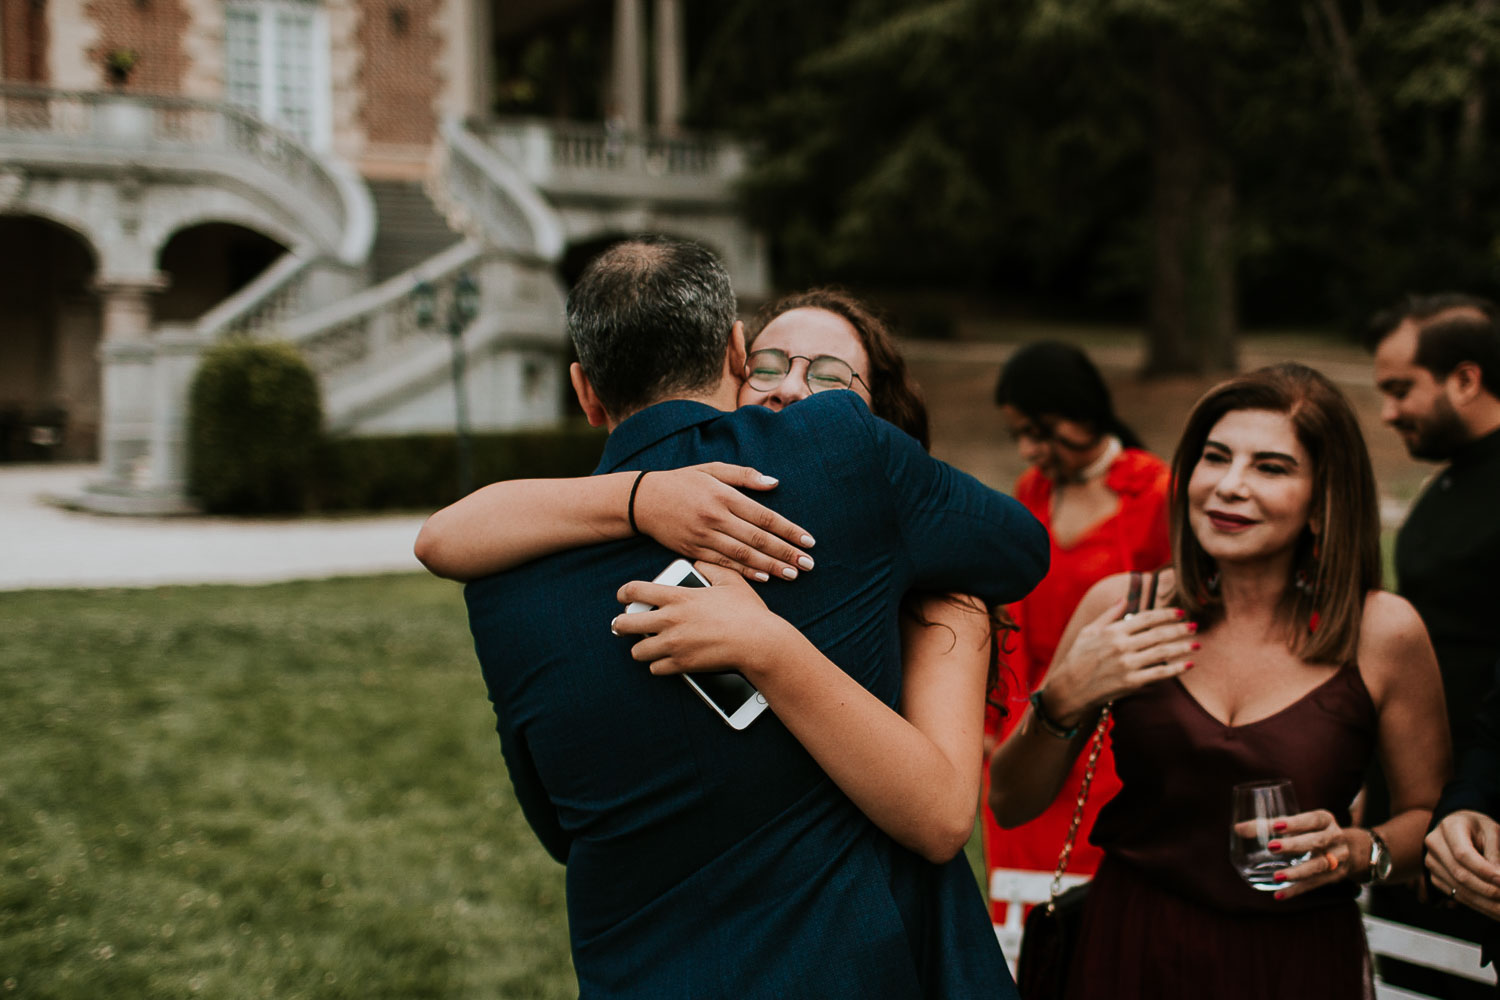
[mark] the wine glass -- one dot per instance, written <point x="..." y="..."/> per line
<point x="1258" y="804"/>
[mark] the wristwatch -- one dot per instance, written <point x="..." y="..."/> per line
<point x="1380" y="860"/>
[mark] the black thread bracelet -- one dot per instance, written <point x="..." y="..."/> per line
<point x="630" y="507"/>
<point x="1051" y="725"/>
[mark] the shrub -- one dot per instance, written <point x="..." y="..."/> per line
<point x="255" y="422"/>
<point x="420" y="471"/>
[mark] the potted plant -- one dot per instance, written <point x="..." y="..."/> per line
<point x="118" y="63"/>
<point x="123" y="117"/>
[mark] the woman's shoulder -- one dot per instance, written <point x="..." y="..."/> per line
<point x="1392" y="637"/>
<point x="1388" y="618"/>
<point x="1136" y="472"/>
<point x="1033" y="489"/>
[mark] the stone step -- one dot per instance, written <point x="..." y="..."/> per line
<point x="409" y="228"/>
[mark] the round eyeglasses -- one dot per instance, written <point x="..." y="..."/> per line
<point x="766" y="368"/>
<point x="1043" y="432"/>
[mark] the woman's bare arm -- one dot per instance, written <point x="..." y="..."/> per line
<point x="914" y="774"/>
<point x="1415" y="749"/>
<point x="1102" y="655"/>
<point x="1400" y="670"/>
<point x="697" y="511"/>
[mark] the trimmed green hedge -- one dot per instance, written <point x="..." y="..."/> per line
<point x="420" y="472"/>
<point x="256" y="446"/>
<point x="255" y="420"/>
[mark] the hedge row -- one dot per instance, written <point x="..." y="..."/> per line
<point x="255" y="420"/>
<point x="420" y="472"/>
<point x="256" y="446"/>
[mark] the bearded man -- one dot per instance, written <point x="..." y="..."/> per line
<point x="1437" y="367"/>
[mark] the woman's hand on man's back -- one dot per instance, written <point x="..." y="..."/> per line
<point x="700" y="513"/>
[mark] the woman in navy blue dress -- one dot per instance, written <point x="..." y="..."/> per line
<point x="913" y="768"/>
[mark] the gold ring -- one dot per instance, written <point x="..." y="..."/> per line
<point x="1454" y="893"/>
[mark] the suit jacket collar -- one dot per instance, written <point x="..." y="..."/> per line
<point x="641" y="430"/>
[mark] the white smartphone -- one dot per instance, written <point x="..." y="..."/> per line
<point x="725" y="691"/>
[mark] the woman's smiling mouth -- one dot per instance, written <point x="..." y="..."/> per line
<point x="1229" y="522"/>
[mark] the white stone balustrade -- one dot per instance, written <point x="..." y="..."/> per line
<point x="565" y="158"/>
<point x="71" y="131"/>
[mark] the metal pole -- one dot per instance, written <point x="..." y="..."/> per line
<point x="461" y="412"/>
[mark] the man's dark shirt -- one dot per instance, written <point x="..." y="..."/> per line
<point x="1476" y="781"/>
<point x="1448" y="566"/>
<point x="705" y="862"/>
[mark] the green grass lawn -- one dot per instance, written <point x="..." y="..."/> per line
<point x="285" y="791"/>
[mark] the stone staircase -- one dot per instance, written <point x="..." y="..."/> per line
<point x="497" y="213"/>
<point x="409" y="230"/>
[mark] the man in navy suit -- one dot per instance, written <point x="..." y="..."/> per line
<point x="704" y="861"/>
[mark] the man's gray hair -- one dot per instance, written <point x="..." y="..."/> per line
<point x="650" y="319"/>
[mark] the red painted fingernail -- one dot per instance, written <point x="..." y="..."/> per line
<point x="1192" y="627"/>
<point x="1196" y="645"/>
<point x="1274" y="845"/>
<point x="1188" y="665"/>
<point x="1279" y="877"/>
<point x="1279" y="825"/>
<point x="1280" y="895"/>
<point x="1181" y="613"/>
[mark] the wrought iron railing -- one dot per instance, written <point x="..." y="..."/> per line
<point x="276" y="295"/>
<point x="484" y="195"/>
<point x="379" y="319"/>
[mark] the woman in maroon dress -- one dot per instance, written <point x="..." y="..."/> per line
<point x="1271" y="655"/>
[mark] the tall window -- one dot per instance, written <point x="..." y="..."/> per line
<point x="276" y="64"/>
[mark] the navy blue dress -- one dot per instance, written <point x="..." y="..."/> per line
<point x="705" y="862"/>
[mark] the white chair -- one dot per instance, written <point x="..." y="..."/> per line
<point x="1019" y="889"/>
<point x="1434" y="951"/>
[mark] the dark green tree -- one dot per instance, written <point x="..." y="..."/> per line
<point x="1305" y="160"/>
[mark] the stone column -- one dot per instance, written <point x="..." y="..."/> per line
<point x="629" y="105"/>
<point x="671" y="66"/>
<point x="126" y="357"/>
<point x="178" y="351"/>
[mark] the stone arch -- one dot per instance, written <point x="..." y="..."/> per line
<point x="205" y="263"/>
<point x="49" y="342"/>
<point x="76" y="225"/>
<point x="173" y="209"/>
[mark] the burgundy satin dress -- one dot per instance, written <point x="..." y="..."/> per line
<point x="1168" y="917"/>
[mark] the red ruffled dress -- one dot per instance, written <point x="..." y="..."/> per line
<point x="1134" y="538"/>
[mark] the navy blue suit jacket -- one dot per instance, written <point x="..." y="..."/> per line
<point x="705" y="862"/>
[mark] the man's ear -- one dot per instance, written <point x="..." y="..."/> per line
<point x="1464" y="383"/>
<point x="586" y="397"/>
<point x="738" y="353"/>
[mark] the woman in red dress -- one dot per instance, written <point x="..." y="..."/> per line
<point x="1103" y="500"/>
